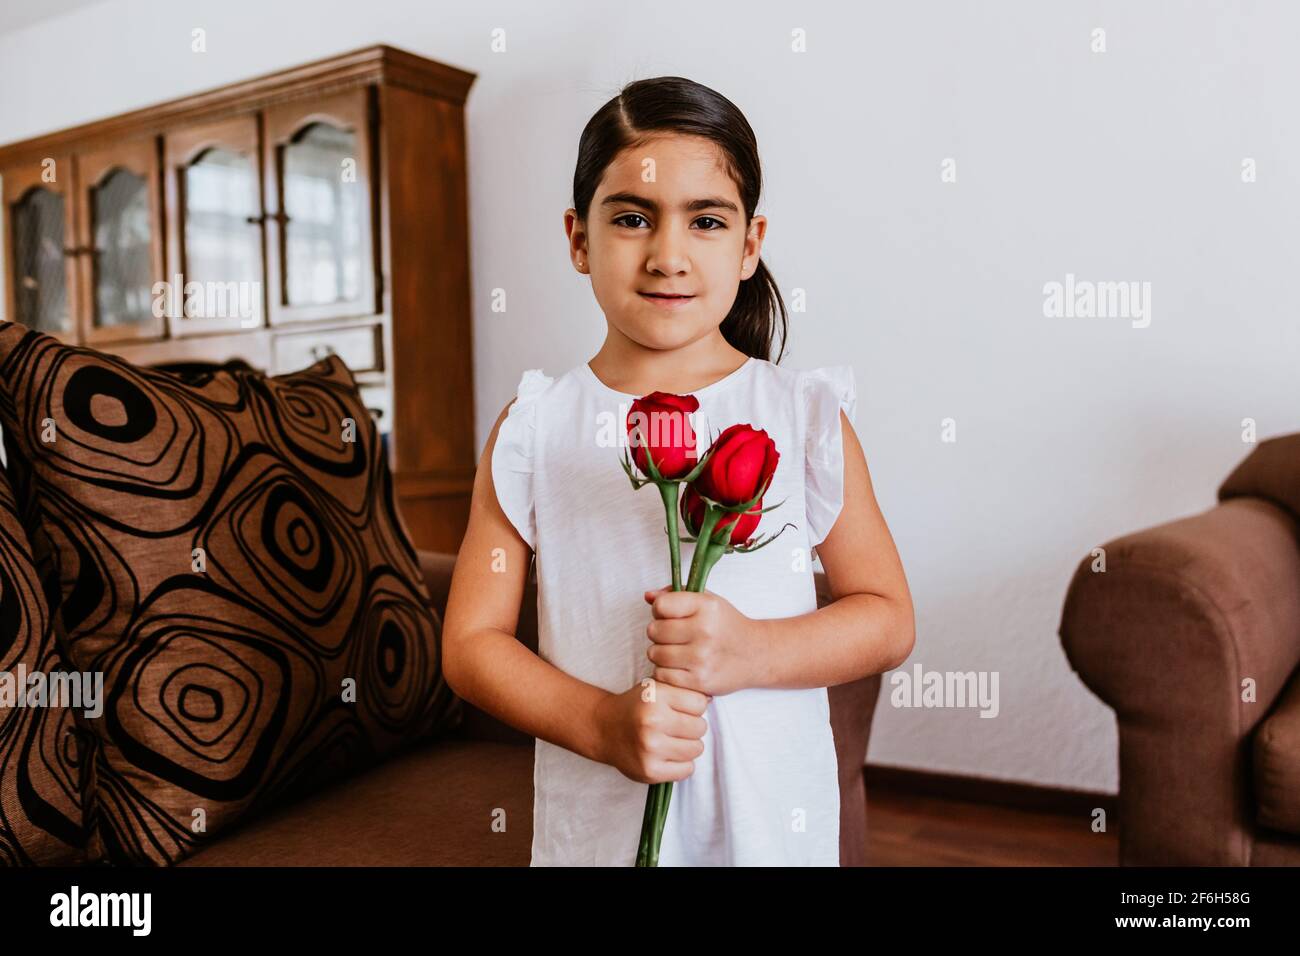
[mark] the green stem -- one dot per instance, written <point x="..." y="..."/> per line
<point x="668" y="492"/>
<point x="711" y="557"/>
<point x="665" y="797"/>
<point x="652" y="823"/>
<point x="711" y="517"/>
<point x="706" y="555"/>
<point x="647" y="827"/>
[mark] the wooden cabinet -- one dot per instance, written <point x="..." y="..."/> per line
<point x="317" y="168"/>
<point x="41" y="282"/>
<point x="215" y="227"/>
<point x="318" y="210"/>
<point x="119" y="242"/>
<point x="85" y="243"/>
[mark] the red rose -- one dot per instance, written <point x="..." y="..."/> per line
<point x="693" y="514"/>
<point x="742" y="461"/>
<point x="659" y="423"/>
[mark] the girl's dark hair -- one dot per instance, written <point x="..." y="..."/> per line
<point x="678" y="105"/>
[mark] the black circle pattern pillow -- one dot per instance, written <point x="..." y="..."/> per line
<point x="40" y="779"/>
<point x="230" y="557"/>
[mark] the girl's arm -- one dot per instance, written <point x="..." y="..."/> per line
<point x="870" y="627"/>
<point x="483" y="661"/>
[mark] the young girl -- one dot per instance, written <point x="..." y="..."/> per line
<point x="663" y="222"/>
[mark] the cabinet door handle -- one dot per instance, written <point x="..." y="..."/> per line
<point x="324" y="350"/>
<point x="281" y="217"/>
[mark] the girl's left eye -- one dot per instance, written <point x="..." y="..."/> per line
<point x="719" y="223"/>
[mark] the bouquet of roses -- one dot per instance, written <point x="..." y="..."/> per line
<point x="721" y="507"/>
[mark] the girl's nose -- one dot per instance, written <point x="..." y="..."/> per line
<point x="668" y="257"/>
<point x="668" y="265"/>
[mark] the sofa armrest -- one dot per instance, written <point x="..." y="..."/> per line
<point x="1184" y="613"/>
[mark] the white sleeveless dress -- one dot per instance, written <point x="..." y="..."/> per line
<point x="765" y="791"/>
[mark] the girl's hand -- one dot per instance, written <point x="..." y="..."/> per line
<point x="700" y="641"/>
<point x="652" y="732"/>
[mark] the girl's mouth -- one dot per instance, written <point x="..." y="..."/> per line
<point x="665" y="301"/>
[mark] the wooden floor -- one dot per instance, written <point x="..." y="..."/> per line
<point x="908" y="829"/>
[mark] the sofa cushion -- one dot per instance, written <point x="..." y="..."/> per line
<point x="1276" y="763"/>
<point x="40" y="782"/>
<point x="454" y="802"/>
<point x="229" y="554"/>
<point x="1271" y="471"/>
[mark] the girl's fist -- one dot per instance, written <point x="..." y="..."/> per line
<point x="652" y="732"/>
<point x="700" y="641"/>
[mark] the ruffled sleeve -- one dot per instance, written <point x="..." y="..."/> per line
<point x="513" y="456"/>
<point x="825" y="391"/>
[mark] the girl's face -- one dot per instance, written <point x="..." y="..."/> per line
<point x="665" y="241"/>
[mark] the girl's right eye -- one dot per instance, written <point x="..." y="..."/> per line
<point x="630" y="215"/>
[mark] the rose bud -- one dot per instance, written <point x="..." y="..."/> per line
<point x="742" y="460"/>
<point x="658" y="424"/>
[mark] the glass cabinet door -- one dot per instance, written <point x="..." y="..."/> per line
<point x="321" y="258"/>
<point x="41" y="271"/>
<point x="215" y="241"/>
<point x="121" y="242"/>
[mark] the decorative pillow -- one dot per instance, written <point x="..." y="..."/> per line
<point x="230" y="555"/>
<point x="40" y="783"/>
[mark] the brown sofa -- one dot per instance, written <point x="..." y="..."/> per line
<point x="1188" y="618"/>
<point x="435" y="804"/>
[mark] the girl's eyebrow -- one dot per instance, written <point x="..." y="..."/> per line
<point x="632" y="199"/>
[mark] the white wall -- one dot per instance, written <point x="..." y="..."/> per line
<point x="1123" y="165"/>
